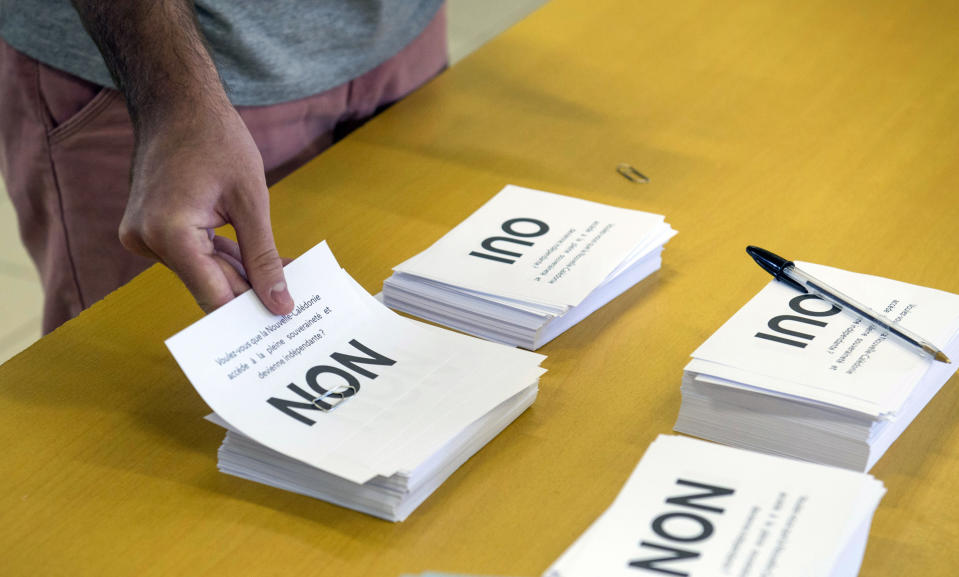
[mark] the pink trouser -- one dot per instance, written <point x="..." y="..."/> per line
<point x="66" y="147"/>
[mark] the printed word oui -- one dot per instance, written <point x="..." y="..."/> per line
<point x="344" y="383"/>
<point x="681" y="529"/>
<point x="796" y="304"/>
<point x="509" y="228"/>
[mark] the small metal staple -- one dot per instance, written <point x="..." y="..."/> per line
<point x="631" y="174"/>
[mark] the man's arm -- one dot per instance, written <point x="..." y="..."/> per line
<point x="195" y="165"/>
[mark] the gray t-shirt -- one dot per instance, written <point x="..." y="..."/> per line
<point x="266" y="52"/>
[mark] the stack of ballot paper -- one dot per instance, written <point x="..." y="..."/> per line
<point x="695" y="508"/>
<point x="791" y="374"/>
<point x="343" y="399"/>
<point x="528" y="265"/>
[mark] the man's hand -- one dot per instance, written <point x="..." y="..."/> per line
<point x="197" y="173"/>
<point x="195" y="167"/>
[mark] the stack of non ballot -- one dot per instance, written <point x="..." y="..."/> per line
<point x="695" y="508"/>
<point x="791" y="374"/>
<point x="528" y="265"/>
<point x="344" y="400"/>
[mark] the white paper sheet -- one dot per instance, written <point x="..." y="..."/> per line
<point x="541" y="247"/>
<point x="417" y="385"/>
<point x="800" y="345"/>
<point x="696" y="508"/>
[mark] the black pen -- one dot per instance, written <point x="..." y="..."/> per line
<point x="786" y="271"/>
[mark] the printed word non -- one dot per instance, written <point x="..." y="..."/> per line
<point x="327" y="372"/>
<point x="679" y="529"/>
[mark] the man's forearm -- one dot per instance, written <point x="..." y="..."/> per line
<point x="195" y="166"/>
<point x="156" y="55"/>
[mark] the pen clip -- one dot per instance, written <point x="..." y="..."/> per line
<point x="776" y="266"/>
<point x="335" y="393"/>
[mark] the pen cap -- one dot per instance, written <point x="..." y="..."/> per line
<point x="774" y="265"/>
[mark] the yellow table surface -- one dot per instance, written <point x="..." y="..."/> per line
<point x="825" y="130"/>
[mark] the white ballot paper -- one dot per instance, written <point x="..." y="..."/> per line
<point x="792" y="374"/>
<point x="345" y="400"/>
<point x="696" y="509"/>
<point x="527" y="265"/>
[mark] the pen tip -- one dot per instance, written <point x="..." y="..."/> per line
<point x="940" y="356"/>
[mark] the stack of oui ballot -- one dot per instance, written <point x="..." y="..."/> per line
<point x="528" y="265"/>
<point x="695" y="508"/>
<point x="343" y="399"/>
<point x="791" y="374"/>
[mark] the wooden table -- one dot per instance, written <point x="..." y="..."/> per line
<point x="826" y="130"/>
